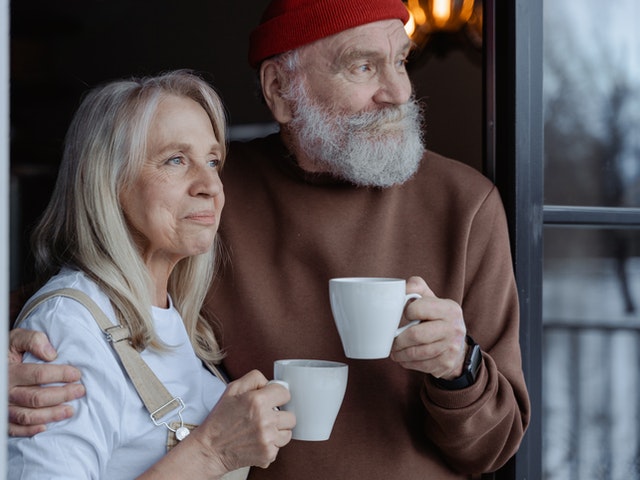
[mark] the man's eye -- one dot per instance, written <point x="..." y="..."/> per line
<point x="361" y="72"/>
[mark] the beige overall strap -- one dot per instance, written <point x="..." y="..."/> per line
<point x="154" y="395"/>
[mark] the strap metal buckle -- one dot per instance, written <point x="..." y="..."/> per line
<point x="180" y="408"/>
<point x="117" y="333"/>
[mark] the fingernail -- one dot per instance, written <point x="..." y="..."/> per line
<point x="78" y="391"/>
<point x="65" y="412"/>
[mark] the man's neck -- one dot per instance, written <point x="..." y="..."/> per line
<point x="303" y="161"/>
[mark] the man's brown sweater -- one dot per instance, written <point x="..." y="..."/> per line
<point x="285" y="233"/>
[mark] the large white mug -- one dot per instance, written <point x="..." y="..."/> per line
<point x="317" y="389"/>
<point x="367" y="312"/>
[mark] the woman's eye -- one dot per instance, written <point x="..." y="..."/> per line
<point x="214" y="163"/>
<point x="174" y="161"/>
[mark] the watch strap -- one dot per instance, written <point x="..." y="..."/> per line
<point x="472" y="361"/>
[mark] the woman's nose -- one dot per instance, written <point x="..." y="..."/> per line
<point x="206" y="181"/>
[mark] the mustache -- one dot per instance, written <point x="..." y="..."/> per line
<point x="381" y="120"/>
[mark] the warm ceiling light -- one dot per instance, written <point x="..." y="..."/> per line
<point x="434" y="15"/>
<point x="440" y="12"/>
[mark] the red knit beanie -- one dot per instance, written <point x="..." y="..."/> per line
<point x="289" y="24"/>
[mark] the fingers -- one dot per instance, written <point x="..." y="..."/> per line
<point x="277" y="393"/>
<point x="433" y="309"/>
<point x="442" y="359"/>
<point x="20" y="431"/>
<point x="36" y="397"/>
<point x="25" y="380"/>
<point x="286" y="421"/>
<point x="30" y="408"/>
<point x="418" y="285"/>
<point x="26" y="422"/>
<point x="31" y="341"/>
<point x="437" y="345"/>
<point x="243" y="428"/>
<point x="273" y="440"/>
<point x="273" y="394"/>
<point x="30" y="405"/>
<point x="422" y="342"/>
<point x="249" y="382"/>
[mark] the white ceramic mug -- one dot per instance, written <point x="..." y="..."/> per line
<point x="367" y="312"/>
<point x="317" y="388"/>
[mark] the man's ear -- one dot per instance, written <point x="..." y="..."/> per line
<point x="270" y="79"/>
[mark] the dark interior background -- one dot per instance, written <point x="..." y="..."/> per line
<point x="60" y="49"/>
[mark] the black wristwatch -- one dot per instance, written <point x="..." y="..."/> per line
<point x="472" y="361"/>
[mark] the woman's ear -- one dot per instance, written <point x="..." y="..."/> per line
<point x="270" y="80"/>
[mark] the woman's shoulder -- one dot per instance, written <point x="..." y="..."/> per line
<point x="77" y="280"/>
<point x="64" y="316"/>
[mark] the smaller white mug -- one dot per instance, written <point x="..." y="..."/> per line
<point x="317" y="389"/>
<point x="367" y="312"/>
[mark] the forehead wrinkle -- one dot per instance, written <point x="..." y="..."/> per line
<point x="358" y="54"/>
<point x="352" y="54"/>
<point x="185" y="147"/>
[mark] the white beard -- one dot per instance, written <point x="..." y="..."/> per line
<point x="378" y="148"/>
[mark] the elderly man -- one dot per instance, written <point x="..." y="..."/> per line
<point x="347" y="189"/>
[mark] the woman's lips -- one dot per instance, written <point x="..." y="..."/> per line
<point x="205" y="217"/>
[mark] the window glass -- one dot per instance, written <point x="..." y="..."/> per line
<point x="591" y="354"/>
<point x="591" y="85"/>
<point x="591" y="275"/>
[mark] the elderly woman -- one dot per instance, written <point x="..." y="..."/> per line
<point x="131" y="223"/>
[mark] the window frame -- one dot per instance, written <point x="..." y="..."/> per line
<point x="514" y="160"/>
<point x="513" y="133"/>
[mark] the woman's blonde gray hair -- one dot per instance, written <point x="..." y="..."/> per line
<point x="84" y="227"/>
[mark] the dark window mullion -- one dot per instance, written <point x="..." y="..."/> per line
<point x="519" y="176"/>
<point x="592" y="216"/>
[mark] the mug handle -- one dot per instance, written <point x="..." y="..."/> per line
<point x="408" y="297"/>
<point x="279" y="382"/>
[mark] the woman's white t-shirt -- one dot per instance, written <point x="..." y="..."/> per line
<point x="110" y="436"/>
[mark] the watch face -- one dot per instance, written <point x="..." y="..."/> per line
<point x="474" y="360"/>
